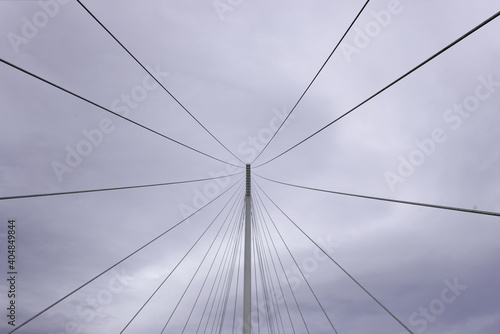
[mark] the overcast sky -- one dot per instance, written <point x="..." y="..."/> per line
<point x="239" y="66"/>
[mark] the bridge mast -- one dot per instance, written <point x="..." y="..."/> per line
<point x="247" y="279"/>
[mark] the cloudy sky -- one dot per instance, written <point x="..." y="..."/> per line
<point x="238" y="67"/>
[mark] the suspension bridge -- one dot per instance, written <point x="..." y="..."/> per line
<point x="242" y="283"/>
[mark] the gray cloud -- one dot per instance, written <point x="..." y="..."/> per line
<point x="233" y="74"/>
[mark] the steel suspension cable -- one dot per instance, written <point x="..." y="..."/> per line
<point x="336" y="263"/>
<point x="436" y="206"/>
<point x="254" y="282"/>
<point x="264" y="267"/>
<point x="234" y="232"/>
<point x="222" y="283"/>
<point x="263" y="281"/>
<point x="229" y="285"/>
<point x="267" y="273"/>
<point x="235" y="273"/>
<point x="115" y="188"/>
<point x="208" y="274"/>
<point x="119" y="262"/>
<point x="312" y="81"/>
<point x="298" y="267"/>
<point x="388" y="86"/>
<point x="265" y="289"/>
<point x="179" y="263"/>
<point x="282" y="266"/>
<point x="159" y="83"/>
<point x="226" y="287"/>
<point x="263" y="232"/>
<point x="114" y="113"/>
<point x="240" y="252"/>
<point x="202" y="261"/>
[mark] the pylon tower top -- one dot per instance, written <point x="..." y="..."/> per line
<point x="248" y="180"/>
